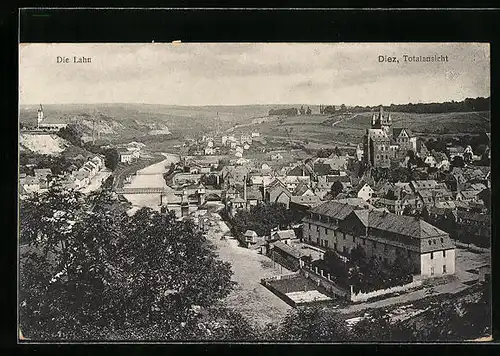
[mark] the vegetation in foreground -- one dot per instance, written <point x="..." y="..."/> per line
<point x="91" y="272"/>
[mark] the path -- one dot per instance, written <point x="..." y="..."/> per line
<point x="344" y="120"/>
<point x="249" y="297"/>
<point x="97" y="181"/>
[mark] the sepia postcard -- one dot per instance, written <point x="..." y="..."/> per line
<point x="254" y="192"/>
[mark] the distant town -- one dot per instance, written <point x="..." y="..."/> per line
<point x="383" y="234"/>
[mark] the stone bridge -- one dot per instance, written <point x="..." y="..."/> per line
<point x="140" y="191"/>
<point x="158" y="190"/>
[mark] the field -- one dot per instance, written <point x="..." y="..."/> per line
<point x="120" y="122"/>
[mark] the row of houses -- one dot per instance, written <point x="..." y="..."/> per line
<point x="130" y="152"/>
<point x="77" y="179"/>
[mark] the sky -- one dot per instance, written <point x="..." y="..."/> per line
<point x="252" y="73"/>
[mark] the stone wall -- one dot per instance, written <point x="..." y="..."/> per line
<point x="361" y="297"/>
<point x="323" y="279"/>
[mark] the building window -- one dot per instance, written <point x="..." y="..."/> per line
<point x="442" y="240"/>
<point x="335" y="246"/>
<point x="344" y="235"/>
<point x="309" y="237"/>
<point x="430" y="243"/>
<point x="444" y="269"/>
<point x="432" y="271"/>
<point x="309" y="226"/>
<point x="353" y="238"/>
<point x="317" y="228"/>
<point x="432" y="255"/>
<point x="444" y="253"/>
<point x="326" y="243"/>
<point x="326" y="231"/>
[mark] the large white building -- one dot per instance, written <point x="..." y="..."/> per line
<point x="383" y="235"/>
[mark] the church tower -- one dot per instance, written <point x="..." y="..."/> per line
<point x="39" y="116"/>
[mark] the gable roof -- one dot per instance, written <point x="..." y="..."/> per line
<point x="469" y="194"/>
<point x="396" y="131"/>
<point x="332" y="179"/>
<point x="322" y="169"/>
<point x="250" y="233"/>
<point x="309" y="200"/>
<point x="468" y="215"/>
<point x="334" y="209"/>
<point x="284" y="234"/>
<point x="288" y="249"/>
<point x="402" y="225"/>
<point x="42" y="172"/>
<point x="355" y="202"/>
<point x="300" y="189"/>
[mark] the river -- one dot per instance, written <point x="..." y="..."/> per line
<point x="150" y="177"/>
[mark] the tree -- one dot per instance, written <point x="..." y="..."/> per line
<point x="457" y="161"/>
<point x="336" y="189"/>
<point x="71" y="134"/>
<point x="111" y="158"/>
<point x="308" y="111"/>
<point x="111" y="274"/>
<point x="210" y="180"/>
<point x="343" y="108"/>
<point x="312" y="324"/>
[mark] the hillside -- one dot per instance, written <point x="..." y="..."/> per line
<point x="349" y="128"/>
<point x="139" y="122"/>
<point x="43" y="144"/>
<point x="133" y="120"/>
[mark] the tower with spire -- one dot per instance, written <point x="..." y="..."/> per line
<point x="39" y="116"/>
<point x="382" y="121"/>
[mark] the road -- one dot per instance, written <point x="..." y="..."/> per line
<point x="344" y="120"/>
<point x="97" y="181"/>
<point x="259" y="305"/>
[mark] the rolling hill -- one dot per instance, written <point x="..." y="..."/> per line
<point x="126" y="121"/>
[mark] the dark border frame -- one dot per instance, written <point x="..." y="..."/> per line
<point x="251" y="25"/>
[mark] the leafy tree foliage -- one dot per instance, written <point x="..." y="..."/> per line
<point x="457" y="161"/>
<point x="286" y="112"/>
<point x="262" y="218"/>
<point x="29" y="161"/>
<point x="72" y="134"/>
<point x="312" y="324"/>
<point x="210" y="180"/>
<point x="111" y="158"/>
<point x="92" y="272"/>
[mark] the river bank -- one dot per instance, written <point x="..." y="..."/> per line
<point x="150" y="177"/>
